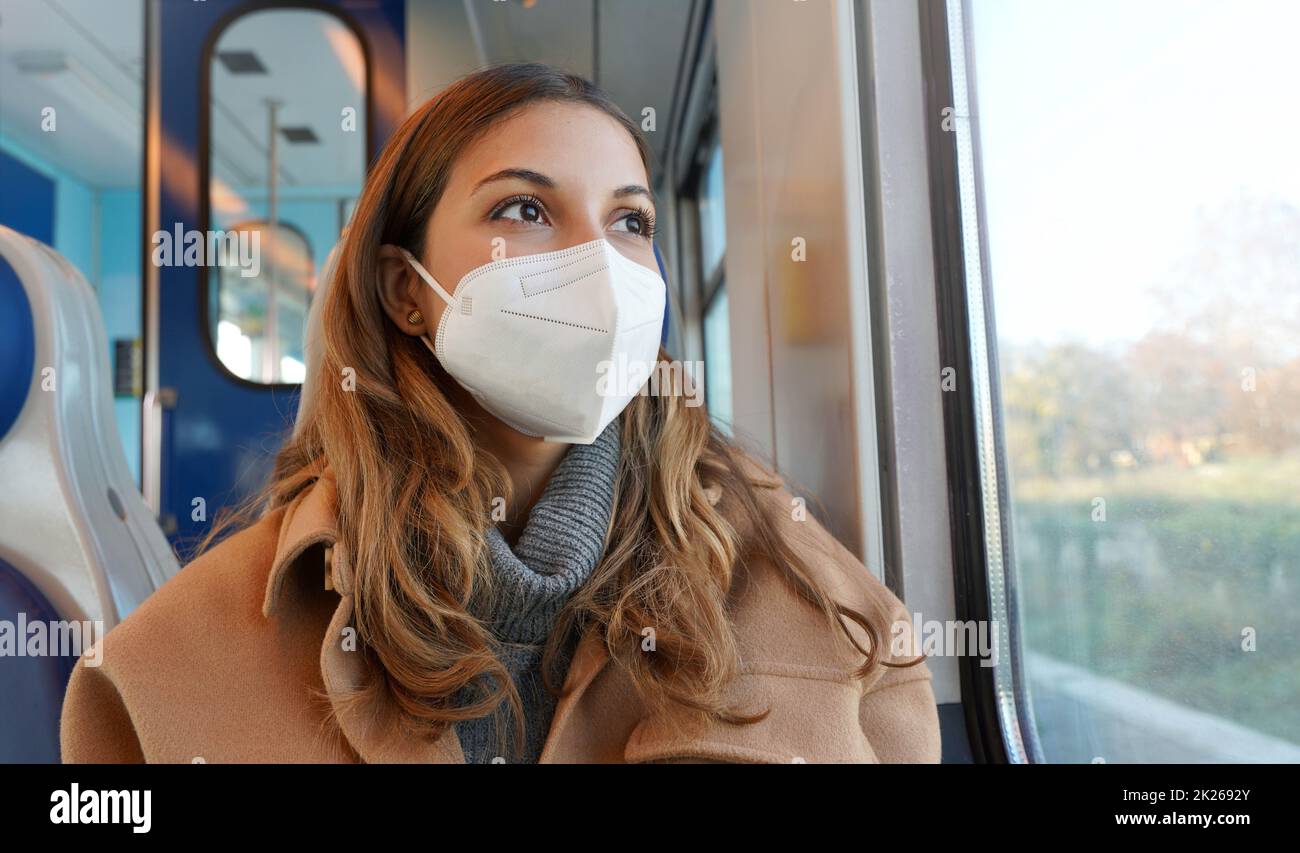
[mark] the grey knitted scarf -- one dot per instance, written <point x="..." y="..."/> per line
<point x="559" y="548"/>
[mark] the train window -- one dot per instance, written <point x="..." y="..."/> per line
<point x="287" y="159"/>
<point x="244" y="307"/>
<point x="713" y="214"/>
<point x="712" y="229"/>
<point x="1130" y="210"/>
<point x="717" y="358"/>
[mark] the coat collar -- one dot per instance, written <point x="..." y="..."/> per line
<point x="372" y="731"/>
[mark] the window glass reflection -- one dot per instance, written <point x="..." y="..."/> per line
<point x="717" y="360"/>
<point x="713" y="214"/>
<point x="288" y="155"/>
<point x="1142" y="209"/>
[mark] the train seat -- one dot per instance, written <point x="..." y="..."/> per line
<point x="77" y="543"/>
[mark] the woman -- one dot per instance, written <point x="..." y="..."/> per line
<point x="478" y="547"/>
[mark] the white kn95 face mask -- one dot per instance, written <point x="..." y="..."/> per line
<point x="536" y="338"/>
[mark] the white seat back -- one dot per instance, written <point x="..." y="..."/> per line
<point x="72" y="520"/>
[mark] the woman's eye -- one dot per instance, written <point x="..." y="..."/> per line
<point x="635" y="223"/>
<point x="522" y="211"/>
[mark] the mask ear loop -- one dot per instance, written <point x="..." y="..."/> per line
<point x="437" y="288"/>
<point x="428" y="279"/>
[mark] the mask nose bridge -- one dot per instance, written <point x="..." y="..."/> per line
<point x="564" y="258"/>
<point x="561" y="258"/>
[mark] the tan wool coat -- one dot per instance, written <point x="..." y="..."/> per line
<point x="241" y="657"/>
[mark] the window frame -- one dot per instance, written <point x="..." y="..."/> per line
<point x="204" y="101"/>
<point x="1000" y="726"/>
<point x="708" y="141"/>
<point x="708" y="283"/>
<point x="214" y="294"/>
<point x="717" y="290"/>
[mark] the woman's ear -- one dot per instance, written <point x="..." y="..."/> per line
<point x="404" y="297"/>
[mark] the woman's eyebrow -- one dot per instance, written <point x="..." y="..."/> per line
<point x="529" y="175"/>
<point x="534" y="177"/>
<point x="633" y="189"/>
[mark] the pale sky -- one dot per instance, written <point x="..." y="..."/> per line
<point x="1103" y="127"/>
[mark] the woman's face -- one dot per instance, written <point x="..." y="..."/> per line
<point x="551" y="176"/>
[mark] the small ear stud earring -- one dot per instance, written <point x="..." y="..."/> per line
<point x="415" y="318"/>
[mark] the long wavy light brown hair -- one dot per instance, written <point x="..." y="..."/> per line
<point x="415" y="490"/>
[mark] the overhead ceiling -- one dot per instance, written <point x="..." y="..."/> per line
<point x="85" y="59"/>
<point x="311" y="85"/>
<point x="634" y="49"/>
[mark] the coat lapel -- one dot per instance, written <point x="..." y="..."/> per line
<point x="372" y="728"/>
<point x="589" y="658"/>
